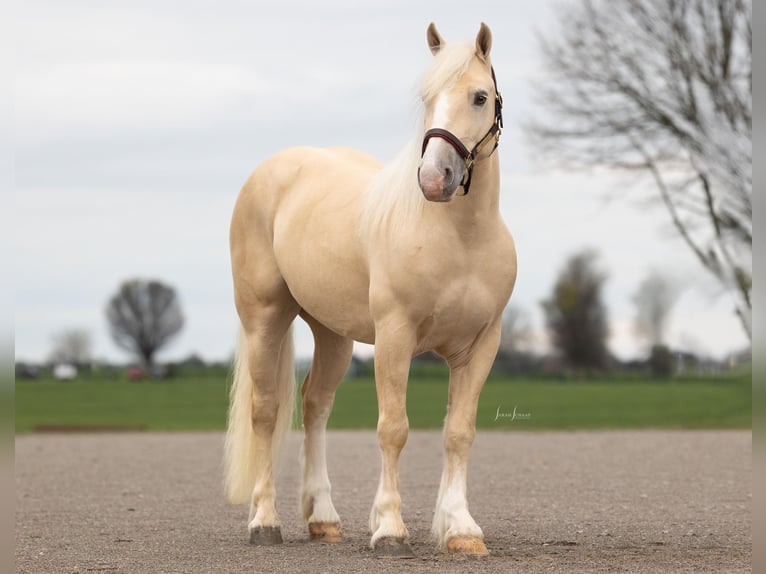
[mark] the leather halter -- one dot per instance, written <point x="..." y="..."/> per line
<point x="469" y="157"/>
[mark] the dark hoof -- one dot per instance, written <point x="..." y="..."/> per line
<point x="394" y="547"/>
<point x="325" y="532"/>
<point x="266" y="536"/>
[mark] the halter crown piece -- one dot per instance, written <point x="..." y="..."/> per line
<point x="470" y="156"/>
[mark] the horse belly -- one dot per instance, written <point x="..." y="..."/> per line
<point x="332" y="293"/>
<point x="317" y="246"/>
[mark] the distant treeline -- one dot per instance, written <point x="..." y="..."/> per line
<point x="662" y="362"/>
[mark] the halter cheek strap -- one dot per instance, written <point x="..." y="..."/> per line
<point x="470" y="156"/>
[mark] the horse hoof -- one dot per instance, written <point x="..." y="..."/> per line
<point x="467" y="545"/>
<point x="266" y="536"/>
<point x="325" y="531"/>
<point x="394" y="547"/>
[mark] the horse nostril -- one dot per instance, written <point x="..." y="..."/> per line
<point x="448" y="175"/>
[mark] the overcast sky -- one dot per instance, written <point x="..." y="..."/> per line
<point x="137" y="123"/>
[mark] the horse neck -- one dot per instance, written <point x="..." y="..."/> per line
<point x="476" y="211"/>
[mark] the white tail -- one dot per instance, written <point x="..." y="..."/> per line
<point x="239" y="460"/>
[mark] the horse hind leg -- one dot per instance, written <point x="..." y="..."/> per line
<point x="260" y="414"/>
<point x="264" y="383"/>
<point x="332" y="355"/>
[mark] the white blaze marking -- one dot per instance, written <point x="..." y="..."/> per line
<point x="437" y="147"/>
<point x="441" y="112"/>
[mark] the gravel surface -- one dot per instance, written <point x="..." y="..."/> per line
<point x="633" y="501"/>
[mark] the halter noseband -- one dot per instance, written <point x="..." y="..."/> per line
<point x="470" y="156"/>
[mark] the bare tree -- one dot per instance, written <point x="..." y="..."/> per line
<point x="576" y="315"/>
<point x="143" y="317"/>
<point x="662" y="88"/>
<point x="516" y="329"/>
<point x="71" y="346"/>
<point x="514" y="355"/>
<point x="654" y="301"/>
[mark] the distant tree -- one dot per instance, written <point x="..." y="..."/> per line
<point x="661" y="361"/>
<point x="193" y="360"/>
<point x="654" y="301"/>
<point x="513" y="356"/>
<point x="516" y="329"/>
<point x="575" y="313"/>
<point x="662" y="88"/>
<point x="71" y="346"/>
<point x="143" y="317"/>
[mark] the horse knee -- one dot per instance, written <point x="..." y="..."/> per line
<point x="393" y="431"/>
<point x="458" y="440"/>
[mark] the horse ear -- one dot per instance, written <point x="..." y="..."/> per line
<point x="484" y="42"/>
<point x="435" y="40"/>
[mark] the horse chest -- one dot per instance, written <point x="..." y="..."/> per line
<point x="466" y="304"/>
<point x="452" y="299"/>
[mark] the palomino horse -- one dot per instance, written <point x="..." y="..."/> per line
<point x="391" y="256"/>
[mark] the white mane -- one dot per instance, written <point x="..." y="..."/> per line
<point x="394" y="200"/>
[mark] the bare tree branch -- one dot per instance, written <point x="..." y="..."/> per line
<point x="663" y="87"/>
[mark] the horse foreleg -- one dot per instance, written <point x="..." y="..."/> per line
<point x="393" y="351"/>
<point x="453" y="526"/>
<point x="332" y="355"/>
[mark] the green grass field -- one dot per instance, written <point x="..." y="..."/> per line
<point x="199" y="402"/>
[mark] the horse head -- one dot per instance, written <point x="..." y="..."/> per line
<point x="460" y="117"/>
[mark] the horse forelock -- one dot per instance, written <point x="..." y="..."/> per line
<point x="447" y="66"/>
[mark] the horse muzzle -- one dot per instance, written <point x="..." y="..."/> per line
<point x="439" y="188"/>
<point x="438" y="180"/>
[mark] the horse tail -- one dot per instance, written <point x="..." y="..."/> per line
<point x="240" y="463"/>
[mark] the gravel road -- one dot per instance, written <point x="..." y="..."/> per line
<point x="632" y="501"/>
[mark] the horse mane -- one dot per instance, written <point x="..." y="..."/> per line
<point x="393" y="198"/>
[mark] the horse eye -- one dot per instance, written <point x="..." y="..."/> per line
<point x="480" y="99"/>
